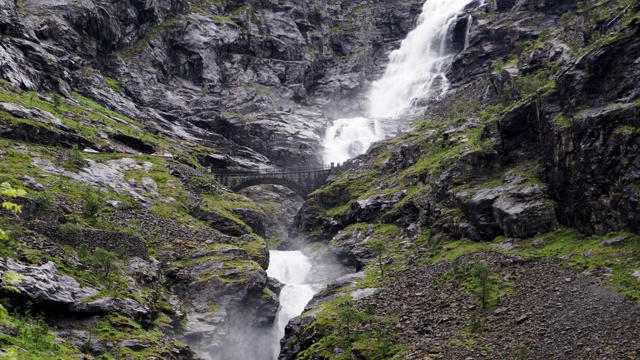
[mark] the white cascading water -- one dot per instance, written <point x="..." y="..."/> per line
<point x="291" y="269"/>
<point x="415" y="74"/>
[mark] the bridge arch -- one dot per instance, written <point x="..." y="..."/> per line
<point x="303" y="181"/>
<point x="272" y="181"/>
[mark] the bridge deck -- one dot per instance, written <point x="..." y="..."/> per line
<point x="303" y="180"/>
<point x="269" y="171"/>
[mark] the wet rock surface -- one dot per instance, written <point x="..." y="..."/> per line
<point x="255" y="83"/>
<point x="554" y="157"/>
<point x="265" y="76"/>
<point x="44" y="285"/>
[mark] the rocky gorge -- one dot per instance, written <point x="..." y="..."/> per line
<point x="500" y="220"/>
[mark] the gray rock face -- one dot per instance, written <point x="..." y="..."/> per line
<point x="514" y="209"/>
<point x="589" y="162"/>
<point x="263" y="75"/>
<point x="371" y="208"/>
<point x="108" y="305"/>
<point x="43" y="285"/>
<point x="222" y="291"/>
<point x="524" y="213"/>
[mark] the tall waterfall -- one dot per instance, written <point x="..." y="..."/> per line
<point x="415" y="74"/>
<point x="291" y="269"/>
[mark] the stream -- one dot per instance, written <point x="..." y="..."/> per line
<point x="291" y="269"/>
<point x="415" y="75"/>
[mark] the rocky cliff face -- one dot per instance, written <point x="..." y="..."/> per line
<point x="262" y="75"/>
<point x="123" y="251"/>
<point x="534" y="149"/>
<point x="538" y="135"/>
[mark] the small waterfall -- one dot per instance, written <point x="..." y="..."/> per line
<point x="468" y="32"/>
<point x="415" y="74"/>
<point x="291" y="269"/>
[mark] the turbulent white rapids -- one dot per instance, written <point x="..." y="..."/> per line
<point x="415" y="73"/>
<point x="290" y="268"/>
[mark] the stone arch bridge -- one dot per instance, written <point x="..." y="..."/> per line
<point x="301" y="180"/>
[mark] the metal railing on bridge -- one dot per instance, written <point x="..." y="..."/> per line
<point x="268" y="171"/>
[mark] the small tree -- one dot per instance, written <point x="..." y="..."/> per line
<point x="92" y="203"/>
<point x="105" y="259"/>
<point x="349" y="316"/>
<point x="378" y="248"/>
<point x="481" y="271"/>
<point x="57" y="100"/>
<point x="83" y="252"/>
<point x="75" y="158"/>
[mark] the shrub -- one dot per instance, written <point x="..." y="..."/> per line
<point x="349" y="317"/>
<point x="105" y="259"/>
<point x="529" y="84"/>
<point x="567" y="18"/>
<point x="83" y="252"/>
<point x="57" y="100"/>
<point x="44" y="200"/>
<point x="498" y="65"/>
<point x="70" y="229"/>
<point x="91" y="202"/>
<point x="75" y="158"/>
<point x="482" y="273"/>
<point x="6" y="191"/>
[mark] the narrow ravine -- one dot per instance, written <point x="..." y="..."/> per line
<point x="414" y="75"/>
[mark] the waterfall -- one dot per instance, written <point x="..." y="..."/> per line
<point x="414" y="75"/>
<point x="291" y="269"/>
<point x="348" y="138"/>
<point x="468" y="31"/>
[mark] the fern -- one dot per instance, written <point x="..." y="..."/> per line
<point x="11" y="279"/>
<point x="6" y="191"/>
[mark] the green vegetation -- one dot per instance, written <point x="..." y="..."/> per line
<point x="92" y="203"/>
<point x="352" y="338"/>
<point x="28" y="336"/>
<point x="529" y="84"/>
<point x="224" y="19"/>
<point x="6" y="191"/>
<point x="569" y="246"/>
<point x="112" y="83"/>
<point x="84" y="209"/>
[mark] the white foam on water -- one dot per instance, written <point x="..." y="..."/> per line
<point x="415" y="73"/>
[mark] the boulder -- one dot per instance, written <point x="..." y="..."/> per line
<point x="108" y="305"/>
<point x="42" y="285"/>
<point x="524" y="212"/>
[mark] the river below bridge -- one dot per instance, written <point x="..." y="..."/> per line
<point x="290" y="268"/>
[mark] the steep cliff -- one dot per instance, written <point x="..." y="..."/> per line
<point x="262" y="74"/>
<point x="111" y="113"/>
<point x="534" y="150"/>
